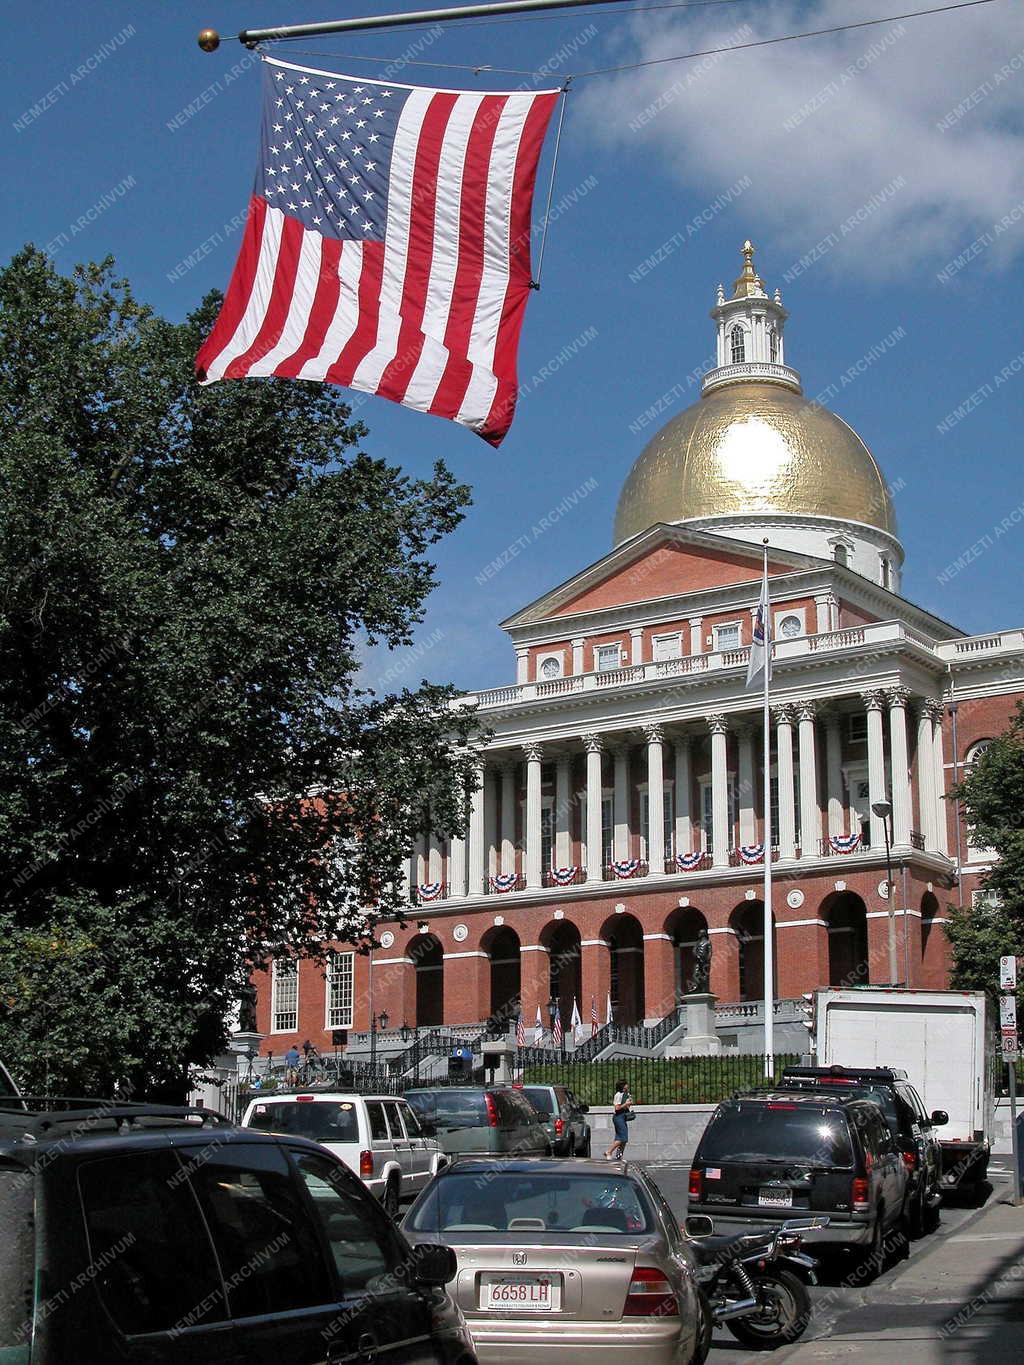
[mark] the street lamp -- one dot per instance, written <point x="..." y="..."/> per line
<point x="883" y="809"/>
<point x="414" y="1033"/>
<point x="552" y="1011"/>
<point x="382" y="1020"/>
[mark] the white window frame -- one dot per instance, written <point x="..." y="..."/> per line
<point x="284" y="982"/>
<point x="558" y="659"/>
<point x="983" y="899"/>
<point x="707" y="817"/>
<point x="716" y="632"/>
<point x="857" y="727"/>
<point x="605" y="650"/>
<point x="668" y="798"/>
<point x="674" y="643"/>
<point x="800" y="613"/>
<point x="737" y="334"/>
<point x="547" y="832"/>
<point x="339" y="981"/>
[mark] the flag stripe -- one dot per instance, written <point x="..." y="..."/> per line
<point x="282" y="284"/>
<point x="256" y="262"/>
<point x="345" y="317"/>
<point x="367" y="286"/>
<point x="300" y="305"/>
<point x="322" y="310"/>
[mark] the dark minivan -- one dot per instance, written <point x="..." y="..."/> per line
<point x="768" y="1156"/>
<point x="485" y="1120"/>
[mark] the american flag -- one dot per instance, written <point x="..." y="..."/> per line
<point x="593" y="1015"/>
<point x="387" y="246"/>
<point x="520" y="1031"/>
<point x="556" y="1028"/>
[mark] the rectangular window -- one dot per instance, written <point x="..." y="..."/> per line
<point x="707" y="818"/>
<point x="340" y="970"/>
<point x="607" y="828"/>
<point x="727" y="636"/>
<point x="857" y="727"/>
<point x="669" y="822"/>
<point x="284" y="996"/>
<point x="607" y="656"/>
<point x="775" y="810"/>
<point x="667" y="646"/>
<point x="547" y="835"/>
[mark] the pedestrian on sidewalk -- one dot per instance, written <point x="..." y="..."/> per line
<point x="291" y="1061"/>
<point x="623" y="1113"/>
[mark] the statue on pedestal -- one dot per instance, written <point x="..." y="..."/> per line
<point x="247" y="1009"/>
<point x="700" y="982"/>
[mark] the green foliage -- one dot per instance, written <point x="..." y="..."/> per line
<point x="659" y="1080"/>
<point x="187" y="576"/>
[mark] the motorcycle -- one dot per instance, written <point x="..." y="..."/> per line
<point x="755" y="1283"/>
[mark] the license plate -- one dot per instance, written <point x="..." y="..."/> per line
<point x="520" y="1293"/>
<point x="772" y="1198"/>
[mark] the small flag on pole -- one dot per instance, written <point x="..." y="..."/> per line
<point x="387" y="246"/>
<point x="608" y="1018"/>
<point x="593" y="1015"/>
<point x="556" y="1030"/>
<point x="576" y="1021"/>
<point x="520" y="1031"/>
<point x="538" y="1031"/>
<point x="761" y="643"/>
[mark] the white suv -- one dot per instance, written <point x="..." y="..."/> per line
<point x="377" y="1136"/>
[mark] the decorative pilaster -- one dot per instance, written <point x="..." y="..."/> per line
<point x="873" y="702"/>
<point x="655" y="799"/>
<point x="522" y="665"/>
<point x="783" y="717"/>
<point x="595" y="869"/>
<point x="719" y="791"/>
<point x="925" y="775"/>
<point x="696" y="638"/>
<point x="810" y="813"/>
<point x="900" y="762"/>
<point x="636" y="648"/>
<point x="942" y="826"/>
<point x="834" y="774"/>
<point x="533" y="754"/>
<point x="577" y="655"/>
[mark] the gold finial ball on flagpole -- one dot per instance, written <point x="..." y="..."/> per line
<point x="209" y="39"/>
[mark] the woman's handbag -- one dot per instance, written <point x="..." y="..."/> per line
<point x="629" y="1116"/>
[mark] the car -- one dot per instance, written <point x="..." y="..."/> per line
<point x="766" y="1156"/>
<point x="909" y="1122"/>
<point x="378" y="1137"/>
<point x="564" y="1118"/>
<point x="557" y="1257"/>
<point x="157" y="1235"/>
<point x="483" y="1119"/>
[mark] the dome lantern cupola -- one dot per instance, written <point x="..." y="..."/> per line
<point x="750" y="328"/>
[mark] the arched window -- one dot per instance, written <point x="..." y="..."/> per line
<point x="736" y="344"/>
<point x="842" y="556"/>
<point x="975" y="751"/>
<point x="773" y="345"/>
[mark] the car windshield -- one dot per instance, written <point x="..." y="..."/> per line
<point x="777" y="1132"/>
<point x="17" y="1252"/>
<point x="449" y="1109"/>
<point x="540" y="1097"/>
<point x="321" y="1120"/>
<point x="534" y="1202"/>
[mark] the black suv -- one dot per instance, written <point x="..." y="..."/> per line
<point x="148" y="1233"/>
<point x="771" y="1155"/>
<point x="564" y="1118"/>
<point x="909" y="1122"/>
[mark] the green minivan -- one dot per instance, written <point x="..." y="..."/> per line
<point x="491" y="1120"/>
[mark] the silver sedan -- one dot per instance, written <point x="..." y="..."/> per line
<point x="557" y="1256"/>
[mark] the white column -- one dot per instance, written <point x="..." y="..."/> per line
<point x="595" y="786"/>
<point x="745" y="777"/>
<point x="563" y="836"/>
<point x="684" y="819"/>
<point x="490" y="824"/>
<point x="876" y="765"/>
<point x="405" y="881"/>
<point x="533" y="815"/>
<point x="620" y="809"/>
<point x="435" y="863"/>
<point x="508" y="818"/>
<point x="696" y="638"/>
<point x="926" y="776"/>
<point x="655" y="800"/>
<point x="421" y="862"/>
<point x="898" y="697"/>
<point x="787" y="795"/>
<point x="810" y="815"/>
<point x="577" y="655"/>
<point x="457" y="860"/>
<point x="834" y="768"/>
<point x="941" y="816"/>
<point x="477" y="870"/>
<point x="822" y="623"/>
<point x="719" y="792"/>
<point x="522" y="665"/>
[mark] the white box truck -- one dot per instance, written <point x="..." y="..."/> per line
<point x="945" y="1042"/>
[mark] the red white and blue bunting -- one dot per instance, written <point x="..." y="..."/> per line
<point x="689" y="862"/>
<point x="504" y="881"/>
<point x="628" y="867"/>
<point x="751" y="853"/>
<point x="430" y="891"/>
<point x="564" y="876"/>
<point x="844" y="843"/>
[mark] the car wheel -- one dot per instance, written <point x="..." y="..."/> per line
<point x="873" y="1257"/>
<point x="786" y="1313"/>
<point x="931" y="1216"/>
<point x="390" y="1200"/>
<point x="917" y="1214"/>
<point x="571" y="1151"/>
<point x="702" y="1346"/>
<point x="585" y="1150"/>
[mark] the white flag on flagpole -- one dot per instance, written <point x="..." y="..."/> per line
<point x="608" y="1018"/>
<point x="576" y="1021"/>
<point x="538" y="1031"/>
<point x="761" y="643"/>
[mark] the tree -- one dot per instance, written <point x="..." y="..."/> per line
<point x="191" y="776"/>
<point x="992" y="796"/>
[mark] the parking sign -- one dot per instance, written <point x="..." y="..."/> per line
<point x="1007" y="973"/>
<point x="1008" y="1012"/>
<point x="1010" y="1049"/>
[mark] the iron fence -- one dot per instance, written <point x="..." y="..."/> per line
<point x="658" y="1080"/>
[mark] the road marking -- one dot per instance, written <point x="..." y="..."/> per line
<point x="985" y="1237"/>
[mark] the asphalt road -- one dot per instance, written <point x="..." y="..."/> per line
<point x="835" y="1303"/>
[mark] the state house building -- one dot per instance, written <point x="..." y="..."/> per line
<point x="619" y="810"/>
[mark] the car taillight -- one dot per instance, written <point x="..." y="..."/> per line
<point x="910" y="1160"/>
<point x="860" y="1200"/>
<point x="492" y="1111"/>
<point x="559" y="1127"/>
<point x="696" y="1184"/>
<point x="650" y="1295"/>
<point x="366" y="1163"/>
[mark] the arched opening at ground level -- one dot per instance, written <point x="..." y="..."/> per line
<point x="502" y="948"/>
<point x="846" y="920"/>
<point x="683" y="927"/>
<point x="428" y="961"/>
<point x="625" y="939"/>
<point x="747" y="923"/>
<point x="562" y="940"/>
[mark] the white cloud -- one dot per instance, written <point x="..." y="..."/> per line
<point x="823" y="124"/>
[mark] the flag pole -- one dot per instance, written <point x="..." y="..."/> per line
<point x="769" y="946"/>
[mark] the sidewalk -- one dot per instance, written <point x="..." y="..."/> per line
<point x="961" y="1300"/>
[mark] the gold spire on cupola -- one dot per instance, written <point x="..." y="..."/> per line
<point x="749" y="285"/>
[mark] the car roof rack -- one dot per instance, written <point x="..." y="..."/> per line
<point x="841" y="1073"/>
<point x="36" y="1116"/>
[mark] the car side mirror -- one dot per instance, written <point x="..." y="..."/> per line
<point x="433" y="1265"/>
<point x="699" y="1225"/>
<point x="939" y="1118"/>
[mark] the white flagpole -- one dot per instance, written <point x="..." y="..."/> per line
<point x="769" y="946"/>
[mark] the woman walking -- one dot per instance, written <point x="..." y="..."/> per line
<point x="623" y="1106"/>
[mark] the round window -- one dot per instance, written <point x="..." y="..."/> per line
<point x="790" y="626"/>
<point x="550" y="668"/>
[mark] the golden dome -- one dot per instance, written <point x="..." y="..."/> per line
<point x="754" y="449"/>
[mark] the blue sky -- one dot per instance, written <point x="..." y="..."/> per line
<point x="879" y="172"/>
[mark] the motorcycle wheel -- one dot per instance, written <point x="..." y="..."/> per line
<point x="785" y="1316"/>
